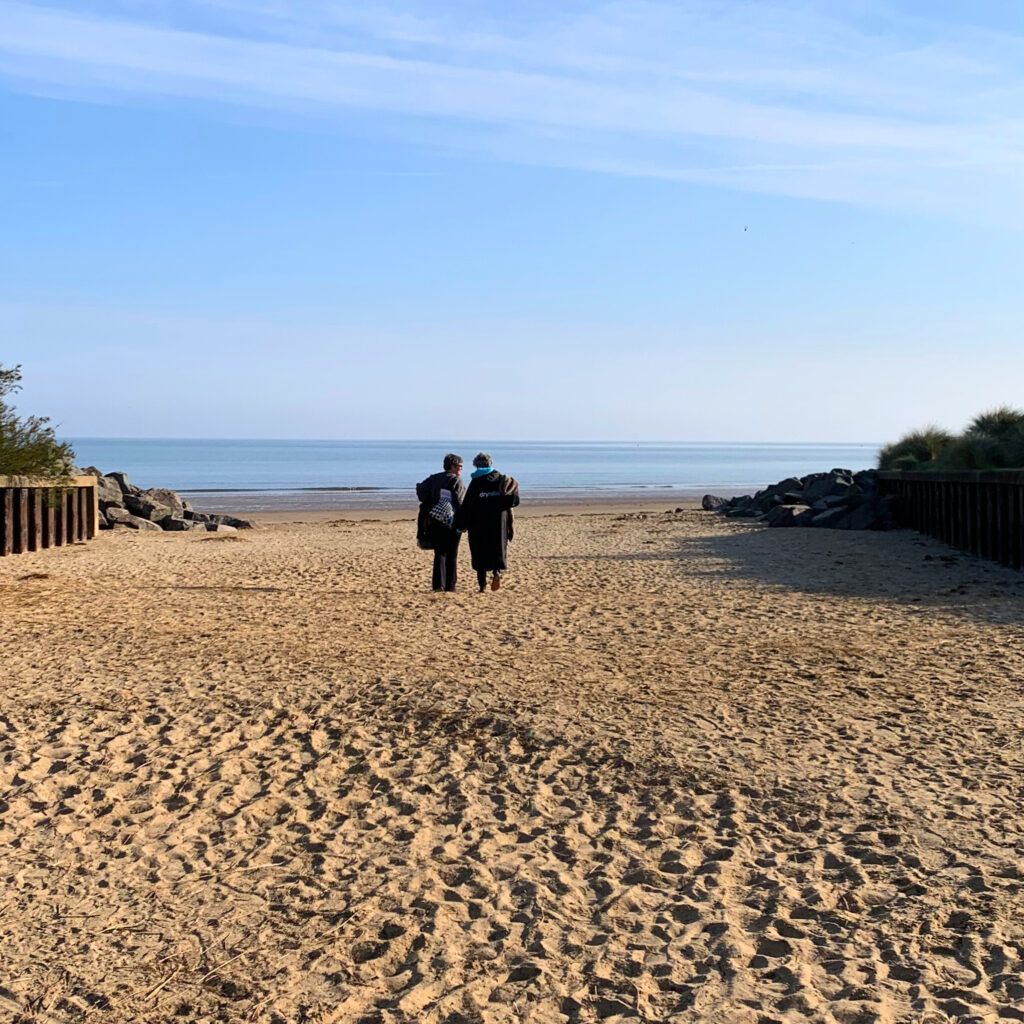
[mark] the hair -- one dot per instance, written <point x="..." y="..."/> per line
<point x="451" y="460"/>
<point x="483" y="461"/>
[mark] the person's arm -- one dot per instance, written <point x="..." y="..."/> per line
<point x="423" y="490"/>
<point x="511" y="496"/>
<point x="458" y="494"/>
<point x="462" y="512"/>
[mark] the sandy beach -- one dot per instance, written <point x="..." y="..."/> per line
<point x="677" y="769"/>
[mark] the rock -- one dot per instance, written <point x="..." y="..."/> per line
<point x="175" y="524"/>
<point x="161" y="496"/>
<point x="197" y="517"/>
<point x="791" y="483"/>
<point x="784" y="515"/>
<point x="102" y="523"/>
<point x="220" y="528"/>
<point x="841" y="487"/>
<point x="834" y="500"/>
<point x="108" y="490"/>
<point x="838" y="499"/>
<point x="238" y="524"/>
<point x="146" y="508"/>
<point x="122" y="517"/>
<point x="829" y="518"/>
<point x="121" y="479"/>
<point x="863" y="517"/>
<point x="186" y="506"/>
<point x="804" y="518"/>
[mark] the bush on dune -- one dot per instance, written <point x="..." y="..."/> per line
<point x="28" y="446"/>
<point x="992" y="440"/>
<point x="915" y="448"/>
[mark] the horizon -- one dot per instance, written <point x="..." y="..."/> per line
<point x="477" y="440"/>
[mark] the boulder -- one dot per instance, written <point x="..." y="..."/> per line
<point x="122" y="517"/>
<point x="784" y="515"/>
<point x="122" y="481"/>
<point x="791" y="483"/>
<point x="863" y="517"/>
<point x="712" y="503"/>
<point x="146" y="508"/>
<point x="828" y="519"/>
<point x="161" y="496"/>
<point x="220" y="528"/>
<point x="174" y="523"/>
<point x="804" y="518"/>
<point x="866" y="479"/>
<point x="102" y="523"/>
<point x="835" y="500"/>
<point x="238" y="524"/>
<point x="108" y="491"/>
<point x="818" y="485"/>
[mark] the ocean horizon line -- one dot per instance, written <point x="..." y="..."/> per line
<point x="506" y="441"/>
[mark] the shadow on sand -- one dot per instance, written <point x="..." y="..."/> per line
<point x="899" y="566"/>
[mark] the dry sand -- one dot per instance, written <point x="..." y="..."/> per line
<point x="677" y="769"/>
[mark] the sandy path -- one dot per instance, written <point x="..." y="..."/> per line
<point x="677" y="769"/>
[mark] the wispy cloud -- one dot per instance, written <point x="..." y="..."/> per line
<point x="772" y="97"/>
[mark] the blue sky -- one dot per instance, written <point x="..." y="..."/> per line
<point x="692" y="221"/>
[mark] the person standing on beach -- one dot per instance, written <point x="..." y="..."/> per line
<point x="440" y="497"/>
<point x="486" y="514"/>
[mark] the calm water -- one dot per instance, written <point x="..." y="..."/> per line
<point x="321" y="474"/>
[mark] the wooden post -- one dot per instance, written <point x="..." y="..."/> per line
<point x="1017" y="527"/>
<point x="35" y="519"/>
<point x="68" y="502"/>
<point x="6" y="521"/>
<point x="94" y="511"/>
<point x="49" y="518"/>
<point x="20" y="520"/>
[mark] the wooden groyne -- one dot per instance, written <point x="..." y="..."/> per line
<point x="981" y="512"/>
<point x="37" y="514"/>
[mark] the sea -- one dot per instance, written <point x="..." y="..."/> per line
<point x="262" y="475"/>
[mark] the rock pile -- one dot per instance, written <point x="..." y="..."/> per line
<point x="123" y="504"/>
<point x="837" y="500"/>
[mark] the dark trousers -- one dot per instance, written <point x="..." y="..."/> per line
<point x="446" y="559"/>
<point x="481" y="577"/>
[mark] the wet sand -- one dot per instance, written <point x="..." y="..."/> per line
<point x="677" y="769"/>
<point x="407" y="511"/>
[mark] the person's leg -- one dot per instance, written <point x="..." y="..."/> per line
<point x="481" y="578"/>
<point x="452" y="564"/>
<point x="439" y="569"/>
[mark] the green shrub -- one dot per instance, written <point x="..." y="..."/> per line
<point x="915" y="450"/>
<point x="992" y="440"/>
<point x="28" y="447"/>
<point x="997" y="423"/>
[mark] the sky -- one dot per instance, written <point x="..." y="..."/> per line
<point x="700" y="220"/>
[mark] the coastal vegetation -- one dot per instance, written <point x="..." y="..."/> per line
<point x="992" y="440"/>
<point x="28" y="446"/>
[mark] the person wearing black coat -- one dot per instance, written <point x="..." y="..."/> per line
<point x="441" y="496"/>
<point x="486" y="514"/>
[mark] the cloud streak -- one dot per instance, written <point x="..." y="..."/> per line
<point x="922" y="116"/>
